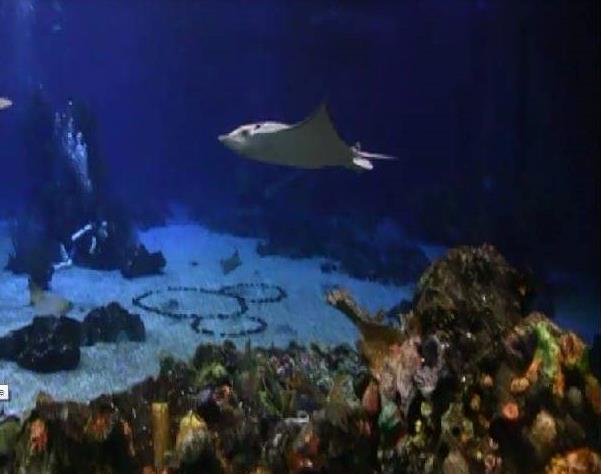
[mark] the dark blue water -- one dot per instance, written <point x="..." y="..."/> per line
<point x="491" y="106"/>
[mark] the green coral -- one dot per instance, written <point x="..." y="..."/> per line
<point x="389" y="417"/>
<point x="213" y="373"/>
<point x="547" y="350"/>
<point x="9" y="432"/>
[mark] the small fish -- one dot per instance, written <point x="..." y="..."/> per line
<point x="311" y="144"/>
<point x="47" y="303"/>
<point x="5" y="103"/>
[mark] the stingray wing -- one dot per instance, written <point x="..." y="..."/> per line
<point x="312" y="143"/>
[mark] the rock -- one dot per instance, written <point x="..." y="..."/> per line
<point x="141" y="262"/>
<point x="328" y="267"/>
<point x="470" y="289"/>
<point x="472" y="298"/>
<point x="357" y="253"/>
<point x="48" y="344"/>
<point x="109" y="323"/>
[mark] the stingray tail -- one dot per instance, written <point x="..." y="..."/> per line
<point x="361" y="159"/>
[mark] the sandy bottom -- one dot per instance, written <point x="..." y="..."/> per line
<point x="193" y="255"/>
<point x="303" y="316"/>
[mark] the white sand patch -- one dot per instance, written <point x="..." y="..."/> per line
<point x="303" y="316"/>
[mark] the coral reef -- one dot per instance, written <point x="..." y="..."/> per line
<point x="469" y="383"/>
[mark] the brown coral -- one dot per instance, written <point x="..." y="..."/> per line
<point x="519" y="385"/>
<point x="99" y="425"/>
<point x="572" y="349"/>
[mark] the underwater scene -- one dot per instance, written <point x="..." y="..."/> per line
<point x="299" y="236"/>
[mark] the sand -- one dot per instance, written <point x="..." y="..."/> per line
<point x="303" y="316"/>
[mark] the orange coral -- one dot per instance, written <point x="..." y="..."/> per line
<point x="99" y="426"/>
<point x="532" y="372"/>
<point x="559" y="384"/>
<point x="510" y="411"/>
<point x="38" y="436"/>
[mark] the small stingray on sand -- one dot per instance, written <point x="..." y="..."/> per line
<point x="311" y="144"/>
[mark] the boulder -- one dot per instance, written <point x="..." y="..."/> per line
<point x="110" y="323"/>
<point x="48" y="344"/>
<point x="141" y="262"/>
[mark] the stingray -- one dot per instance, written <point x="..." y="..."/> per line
<point x="5" y="103"/>
<point x="311" y="144"/>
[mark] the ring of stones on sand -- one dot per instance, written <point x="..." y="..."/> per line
<point x="234" y="292"/>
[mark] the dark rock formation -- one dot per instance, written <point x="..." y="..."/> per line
<point x="111" y="323"/>
<point x="358" y="254"/>
<point x="471" y="295"/>
<point x="32" y="251"/>
<point x="48" y="344"/>
<point x="141" y="262"/>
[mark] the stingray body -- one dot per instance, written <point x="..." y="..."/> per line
<point x="311" y="144"/>
<point x="46" y="303"/>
